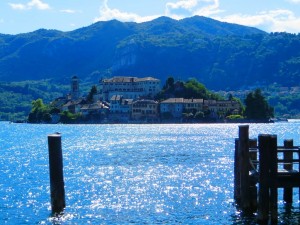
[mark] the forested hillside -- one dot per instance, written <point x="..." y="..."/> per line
<point x="16" y="97"/>
<point x="220" y="55"/>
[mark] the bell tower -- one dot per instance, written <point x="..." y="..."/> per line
<point x="74" y="87"/>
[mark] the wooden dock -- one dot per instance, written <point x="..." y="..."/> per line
<point x="260" y="168"/>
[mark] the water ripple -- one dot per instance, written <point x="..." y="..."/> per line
<point x="127" y="174"/>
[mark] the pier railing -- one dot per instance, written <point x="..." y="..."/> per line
<point x="260" y="168"/>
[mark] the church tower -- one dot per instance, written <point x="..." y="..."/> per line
<point x="75" y="87"/>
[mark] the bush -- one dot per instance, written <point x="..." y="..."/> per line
<point x="234" y="117"/>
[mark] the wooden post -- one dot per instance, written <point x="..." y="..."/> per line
<point x="253" y="167"/>
<point x="263" y="194"/>
<point x="299" y="172"/>
<point x="237" y="187"/>
<point x="273" y="177"/>
<point x="253" y="154"/>
<point x="56" y="173"/>
<point x="288" y="156"/>
<point x="244" y="166"/>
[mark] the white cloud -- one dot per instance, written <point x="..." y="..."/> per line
<point x="183" y="8"/>
<point x="17" y="6"/>
<point x="38" y="4"/>
<point x="70" y="11"/>
<point x="212" y="8"/>
<point x="185" y="4"/>
<point x="107" y="13"/>
<point x="175" y="10"/>
<point x="271" y="21"/>
<point x="294" y="1"/>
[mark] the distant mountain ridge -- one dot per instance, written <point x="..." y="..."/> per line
<point x="220" y="55"/>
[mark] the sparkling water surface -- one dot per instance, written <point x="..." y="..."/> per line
<point x="130" y="174"/>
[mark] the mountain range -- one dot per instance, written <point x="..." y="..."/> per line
<point x="218" y="54"/>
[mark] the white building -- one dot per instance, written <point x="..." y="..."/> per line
<point x="120" y="105"/>
<point x="129" y="87"/>
<point x="174" y="106"/>
<point x="120" y="109"/>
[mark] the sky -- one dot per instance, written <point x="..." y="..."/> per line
<point x="22" y="16"/>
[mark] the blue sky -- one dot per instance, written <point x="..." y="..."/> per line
<point x="20" y="16"/>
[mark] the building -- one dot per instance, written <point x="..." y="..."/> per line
<point x="129" y="87"/>
<point x="120" y="109"/>
<point x="97" y="110"/>
<point x="145" y="110"/>
<point x="177" y="106"/>
<point x="72" y="106"/>
<point x="173" y="106"/>
<point x="221" y="109"/>
<point x="75" y="93"/>
<point x="193" y="105"/>
<point x="211" y="106"/>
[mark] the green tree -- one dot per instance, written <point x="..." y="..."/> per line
<point x="199" y="115"/>
<point x="91" y="94"/>
<point x="39" y="112"/>
<point x="68" y="117"/>
<point x="190" y="89"/>
<point x="170" y="82"/>
<point x="257" y="107"/>
<point x="195" y="89"/>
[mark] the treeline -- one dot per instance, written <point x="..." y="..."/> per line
<point x="256" y="106"/>
<point x="16" y="97"/>
<point x="189" y="89"/>
<point x="220" y="55"/>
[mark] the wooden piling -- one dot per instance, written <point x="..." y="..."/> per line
<point x="237" y="178"/>
<point x="269" y="177"/>
<point x="263" y="195"/>
<point x="273" y="178"/>
<point x="253" y="168"/>
<point x="244" y="166"/>
<point x="288" y="156"/>
<point x="56" y="173"/>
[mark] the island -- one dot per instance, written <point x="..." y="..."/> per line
<point x="123" y="99"/>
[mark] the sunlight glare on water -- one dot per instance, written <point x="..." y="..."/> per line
<point x="116" y="174"/>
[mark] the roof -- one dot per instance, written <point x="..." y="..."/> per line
<point x="128" y="79"/>
<point x="146" y="79"/>
<point x="116" y="98"/>
<point x="210" y="102"/>
<point x="127" y="101"/>
<point x="94" y="106"/>
<point x="182" y="100"/>
<point x="71" y="103"/>
<point x="173" y="100"/>
<point x="144" y="101"/>
<point x="227" y="102"/>
<point x="196" y="100"/>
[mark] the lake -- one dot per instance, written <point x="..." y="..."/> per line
<point x="130" y="174"/>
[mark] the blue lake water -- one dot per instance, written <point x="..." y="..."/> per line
<point x="130" y="174"/>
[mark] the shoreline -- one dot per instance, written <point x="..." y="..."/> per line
<point x="239" y="121"/>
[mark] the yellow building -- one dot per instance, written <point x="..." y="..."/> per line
<point x="145" y="110"/>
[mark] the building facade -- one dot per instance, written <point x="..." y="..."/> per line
<point x="173" y="106"/>
<point x="145" y="110"/>
<point x="129" y="87"/>
<point x="220" y="109"/>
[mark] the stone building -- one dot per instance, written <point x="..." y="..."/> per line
<point x="129" y="87"/>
